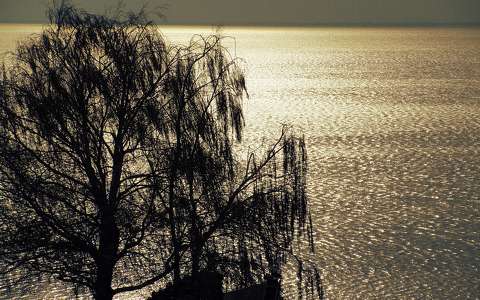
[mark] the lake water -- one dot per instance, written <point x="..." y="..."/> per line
<point x="392" y="121"/>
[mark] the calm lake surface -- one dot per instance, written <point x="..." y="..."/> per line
<point x="392" y="121"/>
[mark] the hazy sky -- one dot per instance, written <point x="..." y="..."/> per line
<point x="271" y="12"/>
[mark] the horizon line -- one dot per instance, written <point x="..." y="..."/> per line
<point x="297" y="24"/>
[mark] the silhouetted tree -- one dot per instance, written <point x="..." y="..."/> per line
<point x="117" y="167"/>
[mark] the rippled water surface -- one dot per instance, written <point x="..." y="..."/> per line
<point x="392" y="121"/>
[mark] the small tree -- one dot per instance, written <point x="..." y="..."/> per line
<point x="116" y="162"/>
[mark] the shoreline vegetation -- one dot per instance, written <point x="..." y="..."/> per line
<point x="118" y="170"/>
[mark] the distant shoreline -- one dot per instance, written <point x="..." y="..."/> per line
<point x="299" y="25"/>
<point x="327" y="24"/>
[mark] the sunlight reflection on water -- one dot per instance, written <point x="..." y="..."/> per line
<point x="391" y="118"/>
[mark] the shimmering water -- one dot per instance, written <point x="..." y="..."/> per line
<point x="392" y="121"/>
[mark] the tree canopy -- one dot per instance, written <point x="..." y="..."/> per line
<point x="117" y="162"/>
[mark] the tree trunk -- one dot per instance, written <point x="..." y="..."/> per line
<point x="103" y="285"/>
<point x="196" y="247"/>
<point x="173" y="232"/>
<point x="109" y="241"/>
<point x="195" y="259"/>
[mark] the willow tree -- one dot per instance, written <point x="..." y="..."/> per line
<point x="117" y="168"/>
<point x="234" y="213"/>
